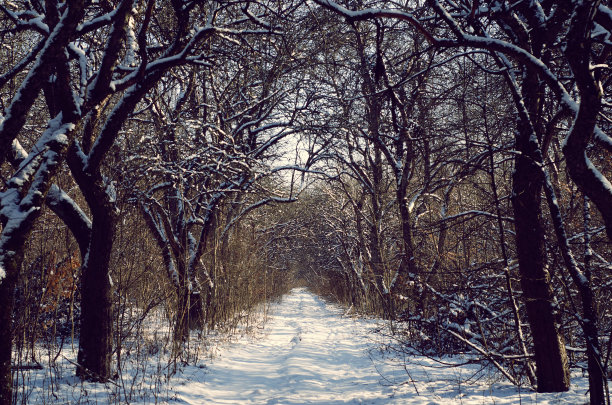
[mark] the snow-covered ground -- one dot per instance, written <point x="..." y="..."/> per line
<point x="309" y="353"/>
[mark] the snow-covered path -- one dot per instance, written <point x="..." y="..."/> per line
<point x="310" y="354"/>
<point x="307" y="353"/>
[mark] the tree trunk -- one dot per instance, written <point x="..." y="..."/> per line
<point x="374" y="237"/>
<point x="552" y="370"/>
<point x="582" y="280"/>
<point x="407" y="265"/>
<point x="181" y="322"/>
<point x="190" y="307"/>
<point x="7" y="303"/>
<point x="597" y="378"/>
<point x="190" y="310"/>
<point x="95" y="342"/>
<point x="582" y="171"/>
<point x="21" y="206"/>
<point x="521" y="344"/>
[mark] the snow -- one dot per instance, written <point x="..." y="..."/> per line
<point x="604" y="182"/>
<point x="103" y="19"/>
<point x="132" y="43"/>
<point x="57" y="195"/>
<point x="308" y="353"/>
<point x="38" y="23"/>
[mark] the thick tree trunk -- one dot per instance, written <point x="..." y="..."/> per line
<point x="582" y="280"/>
<point x="11" y="258"/>
<point x="7" y="303"/>
<point x="408" y="259"/>
<point x="597" y="377"/>
<point x="95" y="342"/>
<point x="181" y="322"/>
<point x="552" y="371"/>
<point x="189" y="314"/>
<point x="190" y="307"/>
<point x="196" y="310"/>
<point x="21" y="206"/>
<point x="374" y="237"/>
<point x="16" y="230"/>
<point x="552" y="368"/>
<point x="521" y="344"/>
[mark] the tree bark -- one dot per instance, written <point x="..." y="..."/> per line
<point x="552" y="370"/>
<point x="408" y="259"/>
<point x="582" y="280"/>
<point x="582" y="171"/>
<point x="7" y="303"/>
<point x="21" y="205"/>
<point x="14" y="237"/>
<point x="189" y="311"/>
<point x="374" y="237"/>
<point x="95" y="342"/>
<point x="521" y="345"/>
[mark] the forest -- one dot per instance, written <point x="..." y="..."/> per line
<point x="442" y="164"/>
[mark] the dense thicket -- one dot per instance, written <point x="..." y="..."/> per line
<point x="441" y="164"/>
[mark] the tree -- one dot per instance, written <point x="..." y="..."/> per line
<point x="525" y="43"/>
<point x="213" y="154"/>
<point x="21" y="201"/>
<point x="101" y="69"/>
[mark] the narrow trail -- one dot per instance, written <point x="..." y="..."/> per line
<point x="309" y="354"/>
